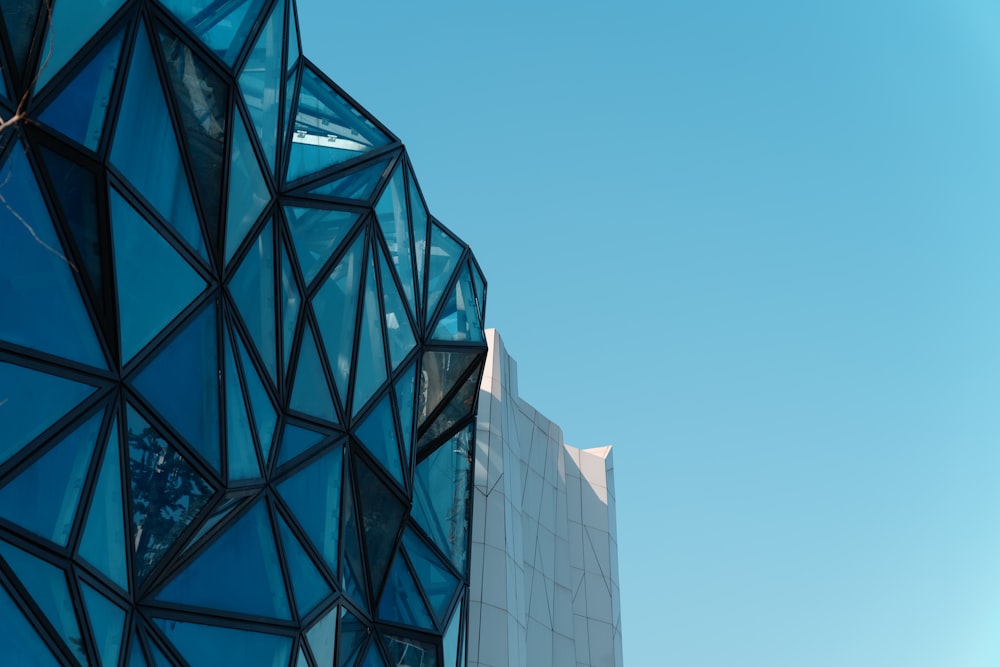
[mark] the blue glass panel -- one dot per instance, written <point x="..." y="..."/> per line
<point x="459" y="319"/>
<point x="260" y="81"/>
<point x="450" y="640"/>
<point x="222" y="26"/>
<point x="144" y="129"/>
<point x="154" y="282"/>
<point x="336" y="306"/>
<point x="440" y="372"/>
<point x="20" y="17"/>
<point x="253" y="290"/>
<point x="135" y="657"/>
<point x="373" y="658"/>
<point x="459" y="407"/>
<point x="182" y="383"/>
<point x="21" y="646"/>
<point x="239" y="572"/>
<point x="241" y="453"/>
<point x="210" y="646"/>
<point x="322" y="638"/>
<point x="479" y="285"/>
<point x="401" y="601"/>
<point x="351" y="637"/>
<point x="313" y="495"/>
<point x="291" y="299"/>
<point x="30" y="402"/>
<point x="103" y="541"/>
<point x="370" y="372"/>
<point x="441" y="496"/>
<point x="311" y="394"/>
<point x="44" y="497"/>
<point x="293" y="40"/>
<point x="411" y="651"/>
<point x="221" y="511"/>
<point x="79" y="110"/>
<point x="302" y="661"/>
<point x="328" y="130"/>
<point x="352" y="571"/>
<point x="405" y="390"/>
<point x="291" y="78"/>
<point x="108" y="623"/>
<point x="295" y="441"/>
<point x="419" y="223"/>
<point x="46" y="584"/>
<point x="443" y="257"/>
<point x="395" y="225"/>
<point x="263" y="410"/>
<point x="438" y="583"/>
<point x="159" y="660"/>
<point x="355" y="185"/>
<point x="378" y="434"/>
<point x="397" y="322"/>
<point x="73" y="24"/>
<point x="382" y="515"/>
<point x="316" y="234"/>
<point x="167" y="494"/>
<point x="39" y="297"/>
<point x="308" y="584"/>
<point x="248" y="193"/>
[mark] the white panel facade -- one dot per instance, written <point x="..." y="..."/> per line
<point x="544" y="559"/>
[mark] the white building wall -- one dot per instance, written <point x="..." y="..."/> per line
<point x="544" y="560"/>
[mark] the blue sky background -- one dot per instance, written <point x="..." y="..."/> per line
<point x="754" y="246"/>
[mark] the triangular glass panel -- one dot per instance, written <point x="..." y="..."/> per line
<point x="79" y="110"/>
<point x="302" y="660"/>
<point x="248" y="193"/>
<point x="108" y="623"/>
<point x="135" y="657"/>
<point x="211" y="646"/>
<point x="103" y="543"/>
<point x="378" y="434"/>
<point x="358" y="184"/>
<point x="241" y="453"/>
<point x="253" y="291"/>
<point x="72" y="25"/>
<point x="313" y="496"/>
<point x="443" y="257"/>
<point x="40" y="299"/>
<point x="383" y="514"/>
<point x="21" y="644"/>
<point x="308" y="584"/>
<point x="328" y="129"/>
<point x="336" y="306"/>
<point x="30" y="402"/>
<point x="263" y="410"/>
<point x="350" y="637"/>
<point x="437" y="582"/>
<point x="420" y="221"/>
<point x="291" y="299"/>
<point x="395" y="226"/>
<point x="154" y="283"/>
<point x="20" y="18"/>
<point x="370" y="372"/>
<point x="450" y="640"/>
<point x="144" y="129"/>
<point x="46" y="584"/>
<point x="250" y="584"/>
<point x="291" y="79"/>
<point x="311" y="394"/>
<point x="261" y="80"/>
<point x="411" y="651"/>
<point x="316" y="234"/>
<point x="295" y="441"/>
<point x="159" y="660"/>
<point x="441" y="372"/>
<point x="441" y="496"/>
<point x="479" y="285"/>
<point x="322" y="638"/>
<point x="405" y="390"/>
<point x="373" y="658"/>
<point x="182" y="384"/>
<point x="401" y="602"/>
<point x="460" y="406"/>
<point x="352" y="570"/>
<point x="292" y="54"/>
<point x="44" y="497"/>
<point x="397" y="322"/>
<point x="167" y="493"/>
<point x="222" y="26"/>
<point x="459" y="320"/>
<point x="218" y="514"/>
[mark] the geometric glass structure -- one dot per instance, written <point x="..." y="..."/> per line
<point x="238" y="357"/>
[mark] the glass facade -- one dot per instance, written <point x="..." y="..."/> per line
<point x="238" y="356"/>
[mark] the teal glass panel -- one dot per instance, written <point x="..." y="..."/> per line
<point x="459" y="319"/>
<point x="144" y="129"/>
<point x="441" y="371"/>
<point x="350" y="637"/>
<point x="291" y="78"/>
<point x="358" y="184"/>
<point x="39" y="296"/>
<point x="253" y="290"/>
<point x="103" y="542"/>
<point x="293" y="49"/>
<point x="451" y="639"/>
<point x="313" y="496"/>
<point x="371" y="369"/>
<point x="263" y="410"/>
<point x="479" y="285"/>
<point x="135" y="657"/>
<point x="30" y="402"/>
<point x="311" y="394"/>
<point x="261" y="80"/>
<point x="20" y="16"/>
<point x="182" y="384"/>
<point x="44" y="497"/>
<point x="395" y="226"/>
<point x="336" y="306"/>
<point x="443" y="257"/>
<point x="291" y="299"/>
<point x="328" y="129"/>
<point x="241" y="453"/>
<point x="382" y="515"/>
<point x="302" y="661"/>
<point x="308" y="584"/>
<point x="46" y="584"/>
<point x="167" y="493"/>
<point x="316" y="234"/>
<point x="405" y="390"/>
<point x="460" y="406"/>
<point x="352" y="571"/>
<point x="322" y="638"/>
<point x="419" y="223"/>
<point x="437" y="582"/>
<point x="154" y="283"/>
<point x="397" y="322"/>
<point x="73" y="24"/>
<point x="219" y="514"/>
<point x="159" y="660"/>
<point x="248" y="193"/>
<point x="239" y="572"/>
<point x="211" y="646"/>
<point x="373" y="658"/>
<point x="108" y="623"/>
<point x="401" y="601"/>
<point x="378" y="434"/>
<point x="79" y="110"/>
<point x="411" y="651"/>
<point x="21" y="645"/>
<point x="295" y="441"/>
<point x="441" y="496"/>
<point x="222" y="26"/>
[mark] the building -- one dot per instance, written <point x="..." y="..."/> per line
<point x="239" y="360"/>
<point x="544" y="579"/>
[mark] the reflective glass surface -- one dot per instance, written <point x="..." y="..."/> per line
<point x="397" y="322"/>
<point x="311" y="394"/>
<point x="103" y="541"/>
<point x="405" y="388"/>
<point x="261" y="80"/>
<point x="371" y="371"/>
<point x="322" y="638"/>
<point x="401" y="601"/>
<point x="419" y="222"/>
<point x="443" y="255"/>
<point x="21" y="645"/>
<point x="378" y="434"/>
<point x="241" y="453"/>
<point x="459" y="406"/>
<point x="222" y="26"/>
<point x="382" y="514"/>
<point x="451" y="639"/>
<point x="439" y="373"/>
<point x="308" y="585"/>
<point x="351" y="637"/>
<point x="358" y="184"/>
<point x="459" y="320"/>
<point x="295" y="441"/>
<point x="394" y="222"/>
<point x="411" y="651"/>
<point x="291" y="299"/>
<point x="441" y="499"/>
<point x="265" y="418"/>
<point x="336" y="305"/>
<point x="253" y="290"/>
<point x="313" y="495"/>
<point x="248" y="192"/>
<point x="73" y="24"/>
<point x="211" y="646"/>
<point x="437" y="582"/>
<point x="316" y="235"/>
<point x="20" y="17"/>
<point x="107" y="620"/>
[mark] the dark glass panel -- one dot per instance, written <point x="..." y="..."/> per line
<point x="154" y="283"/>
<point x="336" y="306"/>
<point x="263" y="410"/>
<point x="439" y="373"/>
<point x="30" y="402"/>
<point x="401" y="601"/>
<point x="322" y="638"/>
<point x="438" y="583"/>
<point x="222" y="26"/>
<point x="350" y="637"/>
<point x="253" y="290"/>
<point x="373" y="658"/>
<point x="239" y="572"/>
<point x="311" y="393"/>
<point x="21" y="645"/>
<point x="308" y="584"/>
<point x="144" y="130"/>
<point x="39" y="297"/>
<point x="397" y="323"/>
<point x="103" y="542"/>
<point x="241" y="453"/>
<point x="211" y="646"/>
<point x="420" y="221"/>
<point x="371" y="371"/>
<point x="395" y="225"/>
<point x="44" y="497"/>
<point x="355" y="185"/>
<point x="313" y="496"/>
<point x="20" y="16"/>
<point x="352" y="571"/>
<point x="378" y="434"/>
<point x="316" y="234"/>
<point x="260" y="81"/>
<point x="405" y="389"/>
<point x="295" y="441"/>
<point x="167" y="493"/>
<point x="72" y="25"/>
<point x="410" y="651"/>
<point x="450" y="641"/>
<point x="443" y="256"/>
<point x="291" y="299"/>
<point x="79" y="110"/>
<point x="441" y="496"/>
<point x="182" y="383"/>
<point x="248" y="193"/>
<point x="107" y="620"/>
<point x="459" y="320"/>
<point x="381" y="513"/>
<point x="135" y="657"/>
<point x="459" y="407"/>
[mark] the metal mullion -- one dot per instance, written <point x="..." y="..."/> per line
<point x="254" y="33"/>
<point x="339" y="402"/>
<point x="117" y="95"/>
<point x="444" y="559"/>
<point x="316" y="452"/>
<point x="284" y="153"/>
<point x="379" y="240"/>
<point x="284" y="567"/>
<point x="447" y="291"/>
<point x="331" y="263"/>
<point x="453" y="391"/>
<point x="359" y="315"/>
<point x="263" y="165"/>
<point x="299" y="533"/>
<point x="243" y="386"/>
<point x="445" y="436"/>
<point x="221" y="618"/>
<point x="47" y="362"/>
<point x="33" y="614"/>
<point x="36" y="48"/>
<point x="402" y="553"/>
<point x="242" y="331"/>
<point x="418" y="294"/>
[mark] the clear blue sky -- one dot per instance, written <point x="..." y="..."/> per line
<point x="756" y="246"/>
